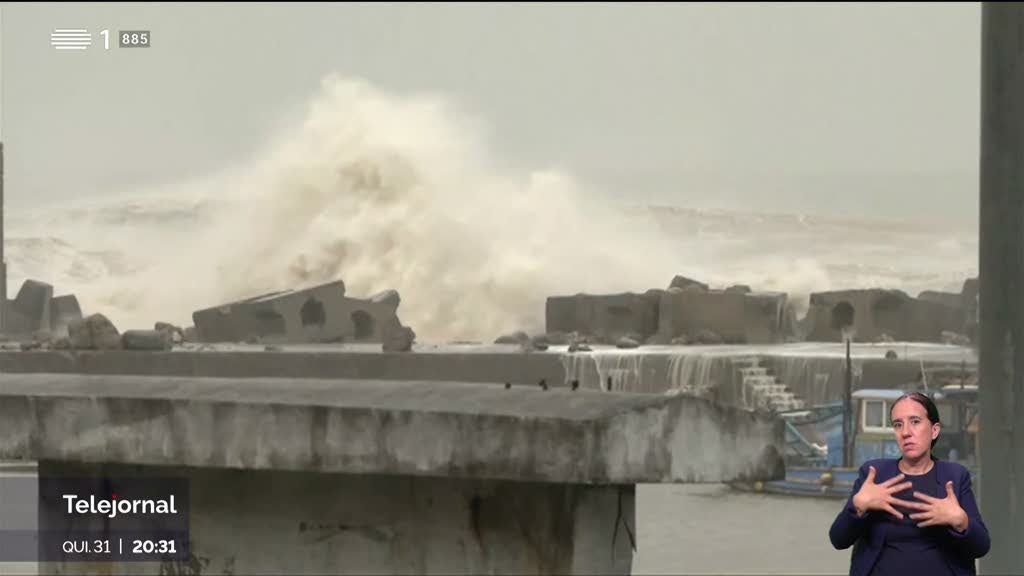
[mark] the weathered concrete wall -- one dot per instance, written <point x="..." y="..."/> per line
<point x="607" y="317"/>
<point x="456" y="430"/>
<point x="318" y="314"/>
<point x="882" y="312"/>
<point x="516" y="368"/>
<point x="272" y="522"/>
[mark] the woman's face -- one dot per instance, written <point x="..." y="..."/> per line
<point x="914" y="433"/>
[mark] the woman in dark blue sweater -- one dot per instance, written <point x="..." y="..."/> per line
<point x="915" y="514"/>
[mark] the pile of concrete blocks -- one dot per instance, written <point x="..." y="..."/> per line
<point x="735" y="315"/>
<point x="318" y="314"/>
<point x="885" y="314"/>
<point x="687" y="311"/>
<point x="96" y="332"/>
<point x="35" y="310"/>
<point x="605" y="318"/>
<point x="690" y="312"/>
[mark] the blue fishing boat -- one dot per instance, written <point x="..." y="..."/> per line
<point x="814" y="439"/>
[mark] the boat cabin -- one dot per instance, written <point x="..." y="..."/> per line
<point x="958" y="413"/>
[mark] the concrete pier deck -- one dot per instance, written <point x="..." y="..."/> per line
<point x="451" y="429"/>
<point x="313" y="476"/>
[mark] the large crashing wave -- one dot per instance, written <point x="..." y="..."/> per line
<point x="387" y="191"/>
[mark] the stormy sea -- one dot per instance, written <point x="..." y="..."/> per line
<point x="387" y="191"/>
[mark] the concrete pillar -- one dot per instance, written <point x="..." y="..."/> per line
<point x="3" y="260"/>
<point x="1001" y="362"/>
<point x="276" y="522"/>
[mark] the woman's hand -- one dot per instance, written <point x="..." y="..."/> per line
<point x="879" y="497"/>
<point x="939" y="511"/>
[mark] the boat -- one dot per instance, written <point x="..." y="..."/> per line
<point x="814" y="439"/>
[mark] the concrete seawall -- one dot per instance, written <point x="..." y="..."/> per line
<point x="468" y="367"/>
<point x="649" y="369"/>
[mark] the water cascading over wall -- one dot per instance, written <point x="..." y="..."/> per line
<point x="710" y="373"/>
<point x="646" y="372"/>
<point x="726" y="376"/>
<point x="815" y="379"/>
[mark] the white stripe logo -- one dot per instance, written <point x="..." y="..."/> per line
<point x="70" y="38"/>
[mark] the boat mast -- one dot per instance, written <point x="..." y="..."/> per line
<point x="847" y="408"/>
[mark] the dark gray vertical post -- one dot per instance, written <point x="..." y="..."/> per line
<point x="1001" y="278"/>
<point x="849" y="425"/>
<point x="3" y="261"/>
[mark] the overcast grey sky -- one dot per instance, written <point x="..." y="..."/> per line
<point x="850" y="109"/>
